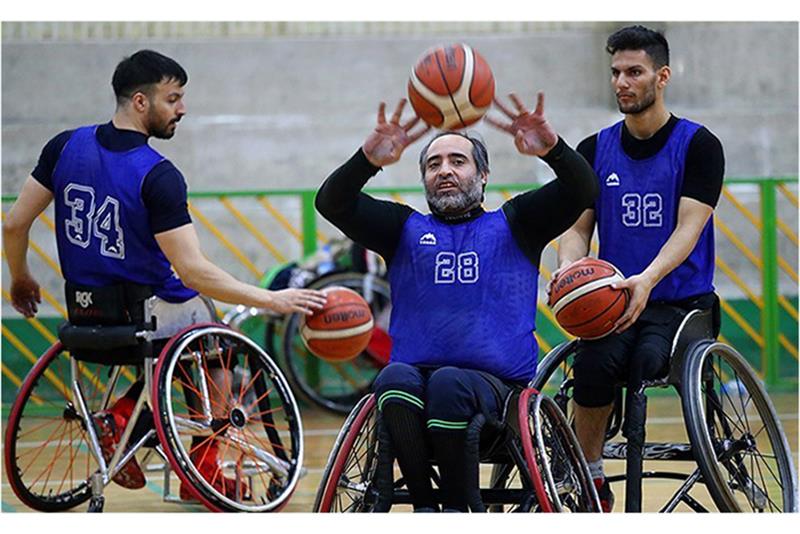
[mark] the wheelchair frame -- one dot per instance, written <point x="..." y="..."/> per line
<point x="691" y="374"/>
<point x="518" y="444"/>
<point x="283" y="464"/>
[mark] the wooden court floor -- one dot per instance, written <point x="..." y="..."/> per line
<point x="665" y="425"/>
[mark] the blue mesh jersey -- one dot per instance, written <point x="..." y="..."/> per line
<point x="637" y="211"/>
<point x="464" y="295"/>
<point x="102" y="229"/>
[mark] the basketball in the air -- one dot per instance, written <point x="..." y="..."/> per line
<point x="583" y="301"/>
<point x="341" y="329"/>
<point x="451" y="87"/>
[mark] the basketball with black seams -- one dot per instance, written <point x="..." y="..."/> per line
<point x="341" y="329"/>
<point x="451" y="87"/>
<point x="583" y="301"/>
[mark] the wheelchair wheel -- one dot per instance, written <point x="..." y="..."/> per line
<point x="346" y="484"/>
<point x="215" y="387"/>
<point x="48" y="458"/>
<point x="738" y="441"/>
<point x="553" y="451"/>
<point x="337" y="386"/>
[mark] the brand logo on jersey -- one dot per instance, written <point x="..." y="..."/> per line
<point x="612" y="180"/>
<point x="427" y="239"/>
<point x="84" y="298"/>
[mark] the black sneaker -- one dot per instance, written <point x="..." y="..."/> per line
<point x="605" y="494"/>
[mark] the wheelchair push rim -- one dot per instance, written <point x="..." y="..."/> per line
<point x="254" y="423"/>
<point x="738" y="440"/>
<point x="351" y="464"/>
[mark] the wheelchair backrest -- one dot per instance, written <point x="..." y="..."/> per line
<point x="103" y="322"/>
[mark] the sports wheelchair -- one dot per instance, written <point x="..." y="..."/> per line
<point x="335" y="386"/>
<point x="735" y="438"/>
<point x="534" y="460"/>
<point x="53" y="456"/>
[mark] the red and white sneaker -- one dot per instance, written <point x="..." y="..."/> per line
<point x="605" y="494"/>
<point x="206" y="458"/>
<point x="108" y="426"/>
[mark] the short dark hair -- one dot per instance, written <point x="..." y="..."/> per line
<point x="640" y="38"/>
<point x="479" y="152"/>
<point x="145" y="67"/>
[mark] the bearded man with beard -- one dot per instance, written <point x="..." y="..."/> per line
<point x="660" y="178"/>
<point x="464" y="285"/>
<point x="122" y="222"/>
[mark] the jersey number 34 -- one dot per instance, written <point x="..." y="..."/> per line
<point x="86" y="223"/>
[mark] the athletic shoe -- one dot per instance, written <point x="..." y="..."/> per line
<point x="205" y="458"/>
<point x="605" y="494"/>
<point x="108" y="426"/>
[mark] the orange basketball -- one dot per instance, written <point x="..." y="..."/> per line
<point x="451" y="87"/>
<point x="341" y="329"/>
<point x="583" y="301"/>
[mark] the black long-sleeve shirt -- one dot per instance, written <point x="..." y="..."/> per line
<point x="535" y="217"/>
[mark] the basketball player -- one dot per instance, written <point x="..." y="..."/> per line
<point x="463" y="281"/>
<point x="121" y="216"/>
<point x="660" y="177"/>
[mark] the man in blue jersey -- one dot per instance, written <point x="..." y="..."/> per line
<point x="463" y="281"/>
<point x="660" y="178"/>
<point x="121" y="216"/>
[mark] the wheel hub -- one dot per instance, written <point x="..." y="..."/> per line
<point x="238" y="417"/>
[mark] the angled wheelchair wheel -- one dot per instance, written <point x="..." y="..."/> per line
<point x="347" y="481"/>
<point x="554" y="455"/>
<point x="215" y="388"/>
<point x="337" y="386"/>
<point x="735" y="433"/>
<point x="48" y="452"/>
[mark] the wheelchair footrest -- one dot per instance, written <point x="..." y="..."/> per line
<point x="652" y="451"/>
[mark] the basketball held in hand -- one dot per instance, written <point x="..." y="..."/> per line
<point x="451" y="87"/>
<point x="341" y="330"/>
<point x="583" y="301"/>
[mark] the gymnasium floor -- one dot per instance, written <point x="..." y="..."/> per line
<point x="665" y="424"/>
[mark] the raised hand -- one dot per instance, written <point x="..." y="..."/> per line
<point x="25" y="296"/>
<point x="533" y="135"/>
<point x="305" y="301"/>
<point x="386" y="143"/>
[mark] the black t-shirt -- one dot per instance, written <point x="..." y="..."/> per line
<point x="535" y="217"/>
<point x="705" y="159"/>
<point x="164" y="190"/>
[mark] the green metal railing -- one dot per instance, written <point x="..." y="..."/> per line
<point x="762" y="324"/>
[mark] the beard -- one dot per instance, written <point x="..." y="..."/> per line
<point x="458" y="201"/>
<point x="640" y="105"/>
<point x="159" y="129"/>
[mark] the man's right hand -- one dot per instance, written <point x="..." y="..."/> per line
<point x="387" y="142"/>
<point x="305" y="301"/>
<point x="25" y="295"/>
<point x="565" y="265"/>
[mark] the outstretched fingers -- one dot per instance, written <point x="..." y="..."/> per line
<point x="521" y="109"/>
<point x="499" y="125"/>
<point x="502" y="107"/>
<point x="382" y="113"/>
<point x="413" y="137"/>
<point x="539" y="104"/>
<point x="398" y="111"/>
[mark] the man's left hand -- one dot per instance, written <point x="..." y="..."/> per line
<point x="639" y="287"/>
<point x="533" y="135"/>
